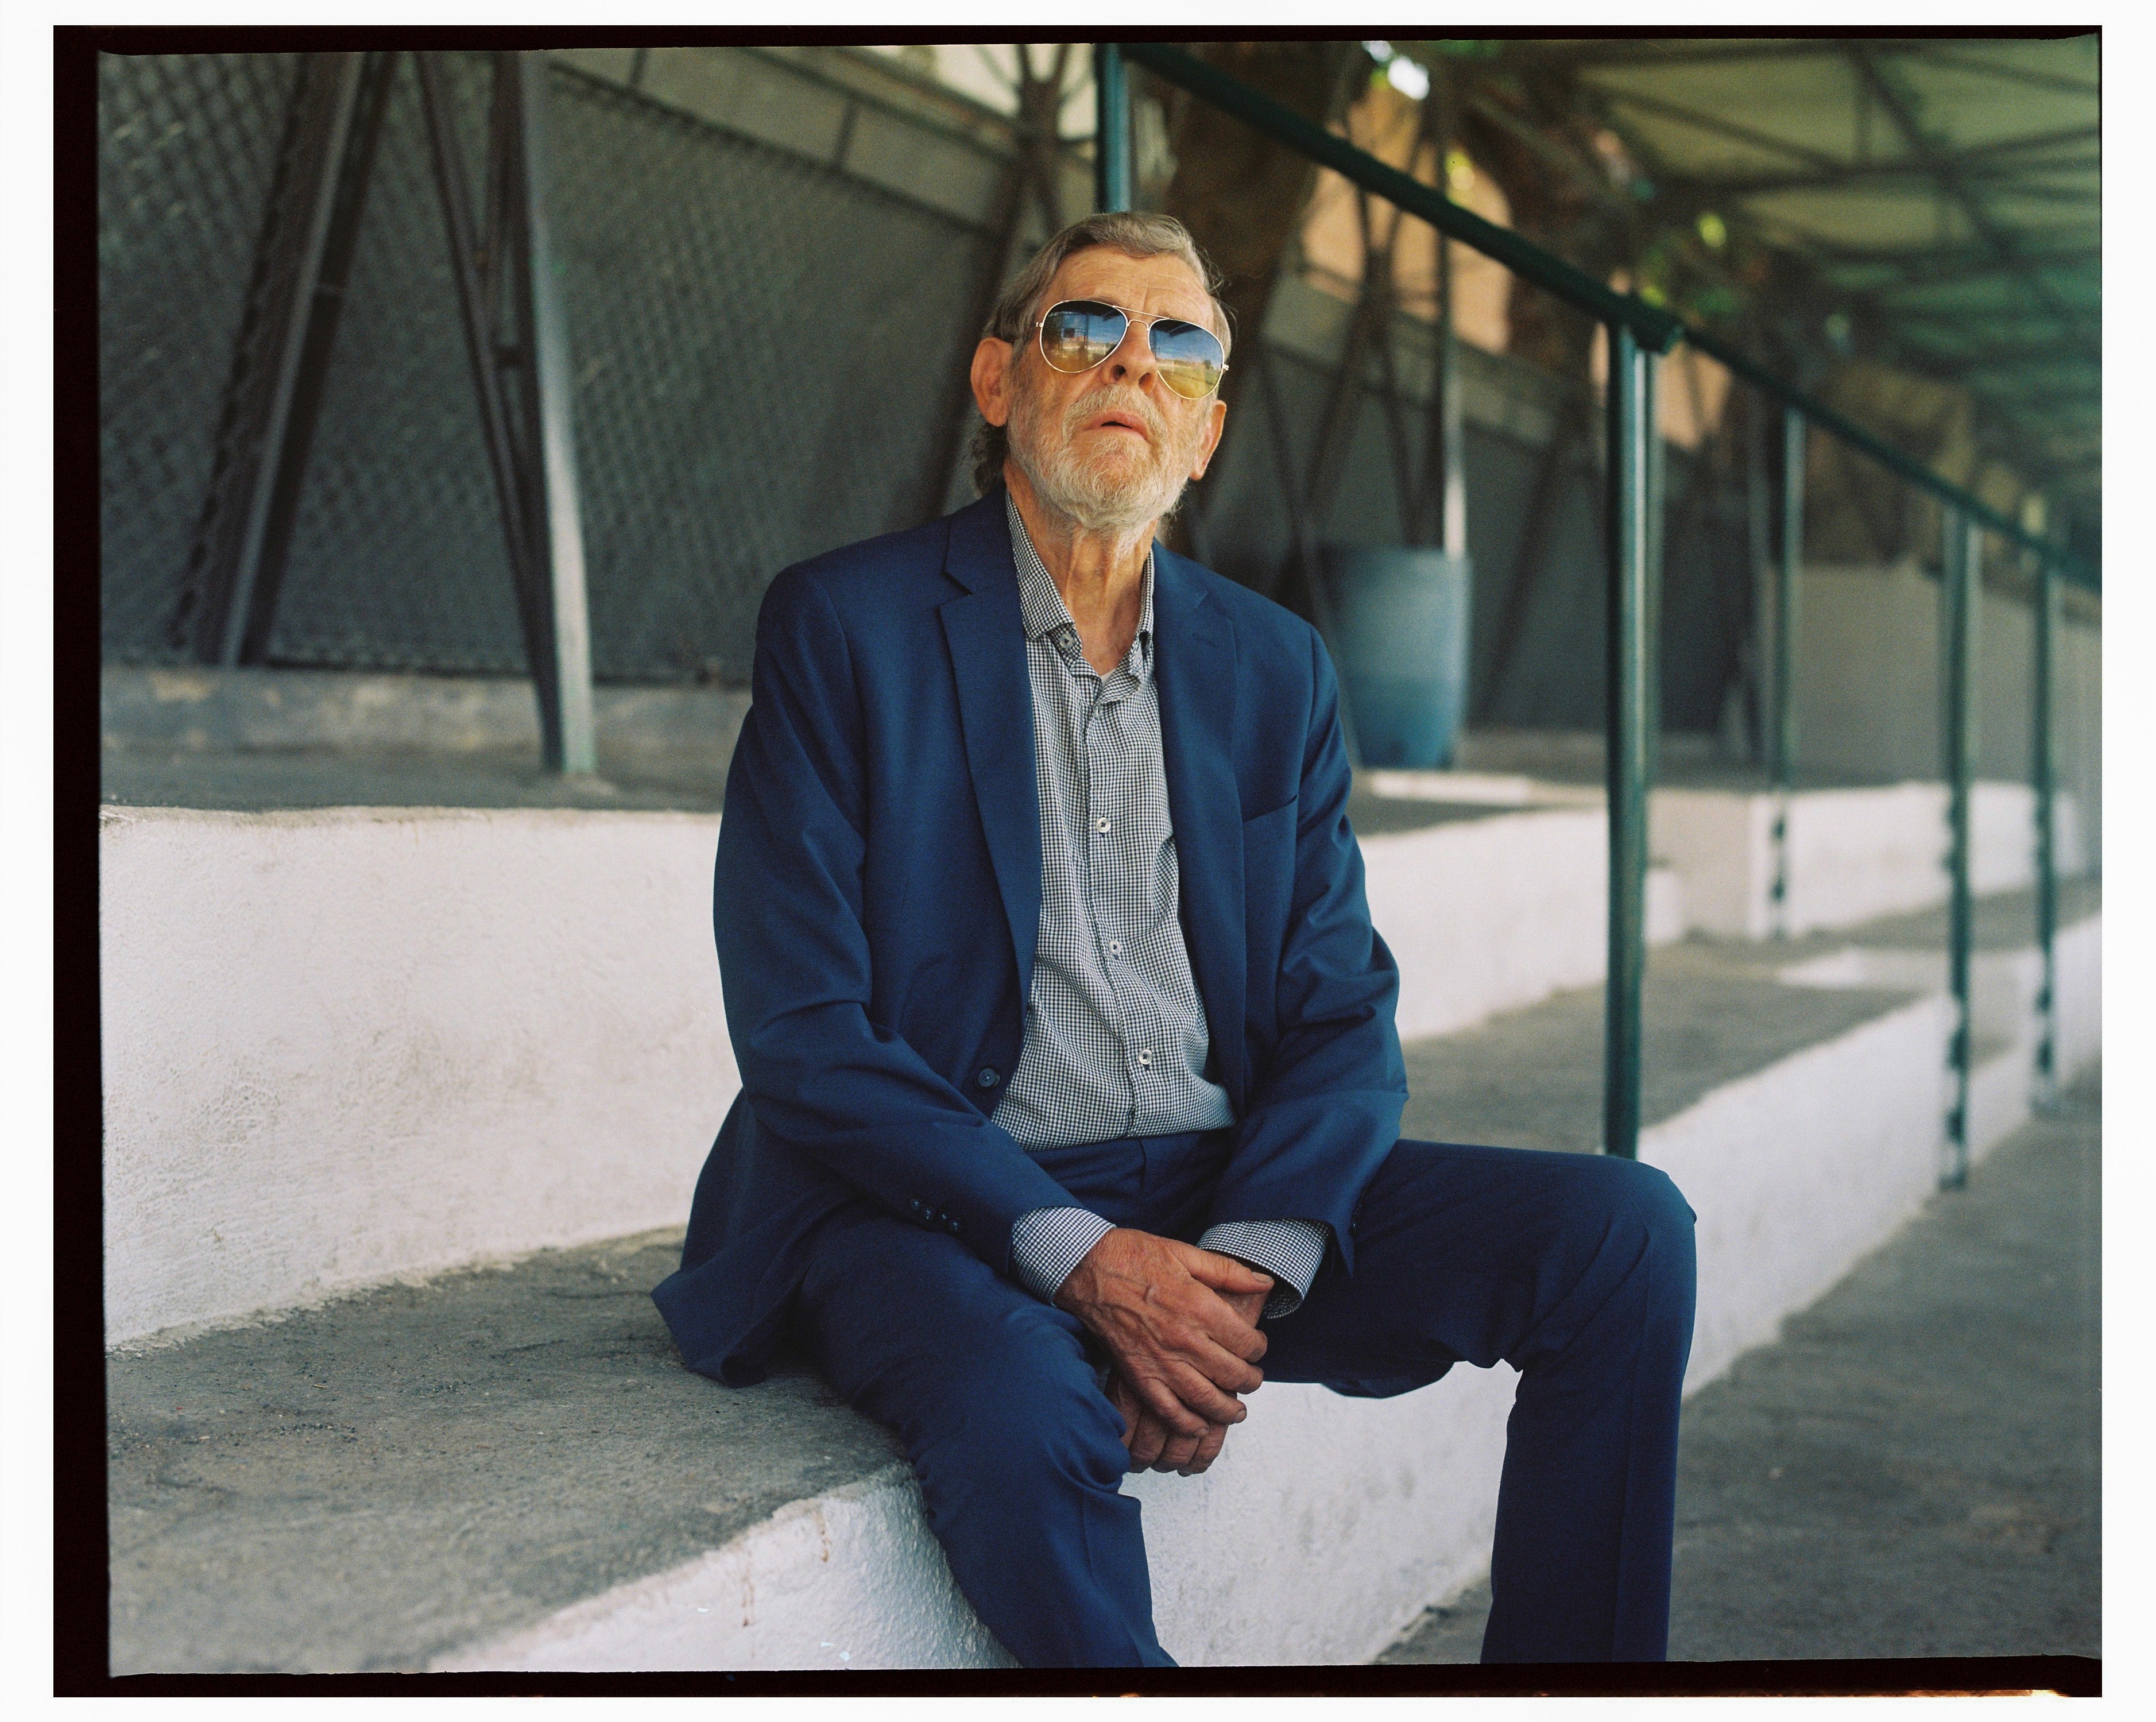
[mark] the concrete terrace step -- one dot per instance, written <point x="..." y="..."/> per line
<point x="523" y="1045"/>
<point x="508" y="1467"/>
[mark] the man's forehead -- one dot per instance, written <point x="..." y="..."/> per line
<point x="1101" y="272"/>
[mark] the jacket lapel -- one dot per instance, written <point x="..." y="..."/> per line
<point x="987" y="637"/>
<point x="1195" y="670"/>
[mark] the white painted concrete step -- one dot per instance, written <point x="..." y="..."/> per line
<point x="342" y="1045"/>
<point x="509" y="1469"/>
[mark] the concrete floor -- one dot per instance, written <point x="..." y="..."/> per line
<point x="1913" y="1471"/>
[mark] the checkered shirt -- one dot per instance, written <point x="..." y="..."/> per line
<point x="1115" y="1036"/>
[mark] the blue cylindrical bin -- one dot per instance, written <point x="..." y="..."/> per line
<point x="1402" y="620"/>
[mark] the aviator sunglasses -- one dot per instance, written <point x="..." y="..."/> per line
<point x="1080" y="333"/>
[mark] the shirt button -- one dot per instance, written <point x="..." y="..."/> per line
<point x="987" y="1078"/>
<point x="1114" y="948"/>
<point x="1145" y="1056"/>
<point x="1101" y="824"/>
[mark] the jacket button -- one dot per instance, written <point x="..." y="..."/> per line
<point x="954" y="1226"/>
<point x="988" y="1077"/>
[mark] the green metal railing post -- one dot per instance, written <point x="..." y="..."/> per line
<point x="1629" y="501"/>
<point x="2047" y="878"/>
<point x="1783" y="741"/>
<point x="1964" y="549"/>
<point x="558" y="532"/>
<point x="1111" y="128"/>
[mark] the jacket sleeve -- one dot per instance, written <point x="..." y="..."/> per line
<point x="795" y="965"/>
<point x="1324" y="1110"/>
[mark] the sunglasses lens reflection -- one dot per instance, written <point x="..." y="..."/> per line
<point x="1077" y="335"/>
<point x="1190" y="357"/>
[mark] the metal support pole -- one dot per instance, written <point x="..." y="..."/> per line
<point x="1782" y="731"/>
<point x="228" y="552"/>
<point x="1630" y="678"/>
<point x="1964" y="548"/>
<point x="1447" y="465"/>
<point x="1300" y="529"/>
<point x="559" y="535"/>
<point x="1656" y="452"/>
<point x="1111" y="132"/>
<point x="529" y="435"/>
<point x="339" y="249"/>
<point x="2047" y="879"/>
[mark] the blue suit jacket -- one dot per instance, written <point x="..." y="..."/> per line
<point x="879" y="891"/>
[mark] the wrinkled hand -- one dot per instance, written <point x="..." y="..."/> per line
<point x="1154" y="1446"/>
<point x="1180" y="1324"/>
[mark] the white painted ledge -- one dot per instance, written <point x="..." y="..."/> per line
<point x="344" y="1046"/>
<point x="1796" y="1172"/>
<point x="1855" y="855"/>
<point x="348" y="1044"/>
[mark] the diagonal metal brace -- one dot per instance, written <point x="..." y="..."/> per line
<point x="516" y="343"/>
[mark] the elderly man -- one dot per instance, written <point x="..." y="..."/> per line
<point x="1070" y="1090"/>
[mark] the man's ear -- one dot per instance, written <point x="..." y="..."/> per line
<point x="1216" y="416"/>
<point x="991" y="379"/>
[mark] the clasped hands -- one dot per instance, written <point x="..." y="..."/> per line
<point x="1181" y="1324"/>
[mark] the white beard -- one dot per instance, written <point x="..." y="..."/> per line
<point x="1111" y="492"/>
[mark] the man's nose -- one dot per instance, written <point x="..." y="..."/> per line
<point x="1132" y="358"/>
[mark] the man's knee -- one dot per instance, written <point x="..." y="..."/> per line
<point x="1032" y="1416"/>
<point x="1638" y="1208"/>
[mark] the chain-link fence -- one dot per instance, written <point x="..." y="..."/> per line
<point x="769" y="355"/>
<point x="188" y="148"/>
<point x="764" y="349"/>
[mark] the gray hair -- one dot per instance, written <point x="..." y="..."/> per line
<point x="1133" y="234"/>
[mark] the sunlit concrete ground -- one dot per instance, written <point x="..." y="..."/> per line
<point x="1914" y="1469"/>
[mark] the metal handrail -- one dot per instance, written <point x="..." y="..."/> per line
<point x="1657" y="331"/>
<point x="1638" y="331"/>
<point x="1894" y="460"/>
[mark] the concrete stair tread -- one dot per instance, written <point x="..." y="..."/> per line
<point x="1712" y="1014"/>
<point x="371" y="1483"/>
<point x="2003" y="921"/>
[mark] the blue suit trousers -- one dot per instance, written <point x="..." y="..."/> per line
<point x="1576" y="1269"/>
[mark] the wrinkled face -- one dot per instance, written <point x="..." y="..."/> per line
<point x="1110" y="448"/>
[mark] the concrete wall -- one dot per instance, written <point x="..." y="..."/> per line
<point x="1854" y="855"/>
<point x="1495" y="914"/>
<point x="347" y="1045"/>
<point x="1867" y="684"/>
<point x="351" y="1044"/>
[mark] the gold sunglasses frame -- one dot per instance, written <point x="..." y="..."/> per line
<point x="1131" y="319"/>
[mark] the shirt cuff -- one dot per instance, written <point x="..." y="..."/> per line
<point x="1291" y="1251"/>
<point x="1046" y="1243"/>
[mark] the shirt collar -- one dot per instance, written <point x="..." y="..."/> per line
<point x="1042" y="606"/>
